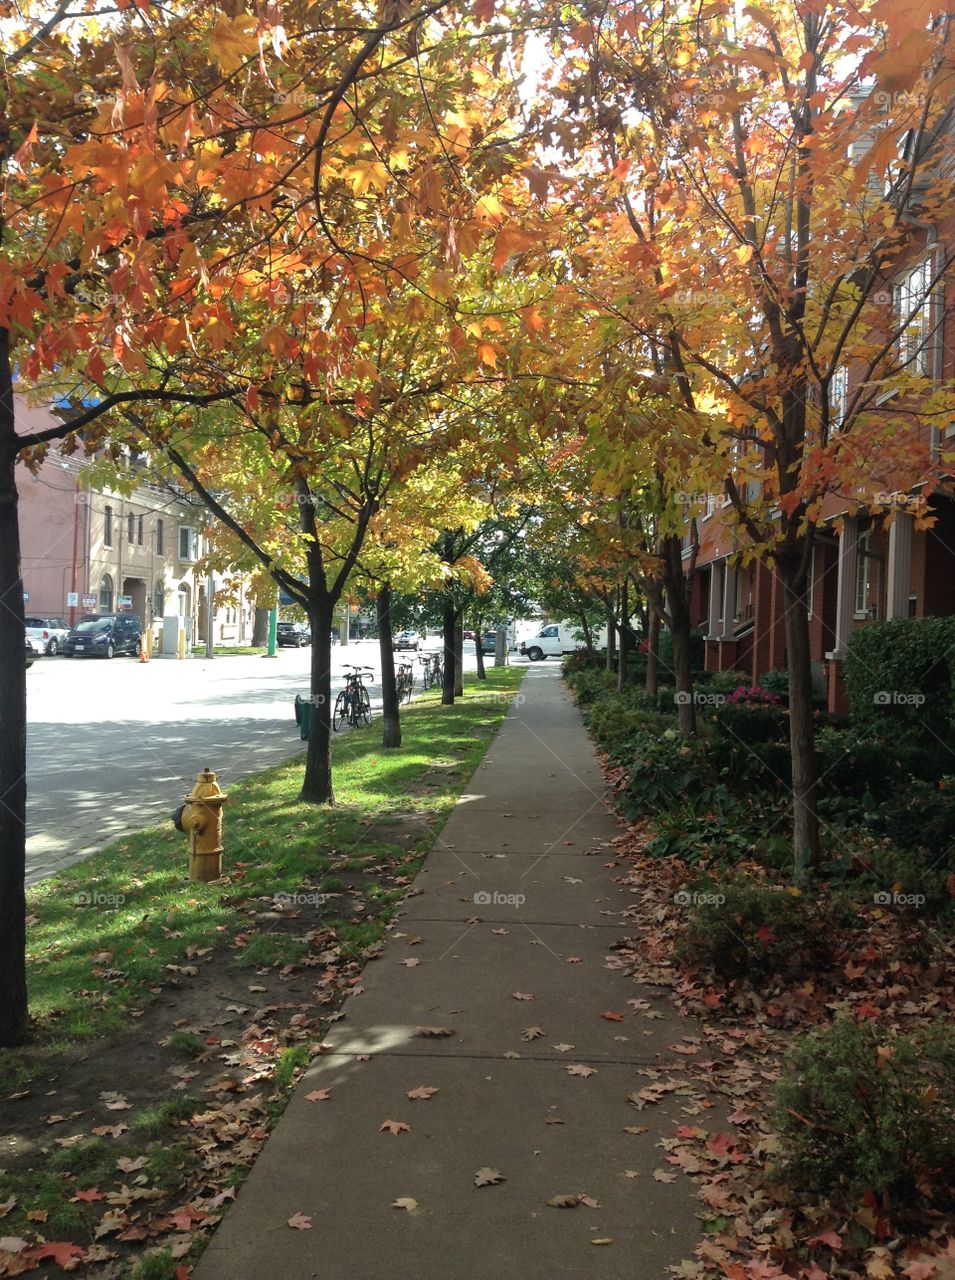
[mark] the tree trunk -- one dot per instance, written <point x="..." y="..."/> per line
<point x="611" y="640"/>
<point x="449" y="621"/>
<point x="678" y="607"/>
<point x="624" y="650"/>
<point x="479" y="648"/>
<point x="802" y="733"/>
<point x="260" y="628"/>
<point x="317" y="783"/>
<point x="653" y="649"/>
<point x="588" y="635"/>
<point x="459" y="655"/>
<point x="14" y="1022"/>
<point x="391" y="717"/>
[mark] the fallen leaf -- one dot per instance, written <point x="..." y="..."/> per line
<point x="578" y="1070"/>
<point x="562" y="1048"/>
<point x="127" y="1165"/>
<point x="488" y="1177"/>
<point x="603" y="1240"/>
<point x="318" y="1095"/>
<point x="589" y="1201"/>
<point x="300" y="1221"/>
<point x="532" y="1033"/>
<point x="563" y="1202"/>
<point x="7" y="1205"/>
<point x="520" y="995"/>
<point x="661" y="1175"/>
<point x="410" y="963"/>
<point x="434" y="1033"/>
<point x="422" y="1091"/>
<point x="635" y="1128"/>
<point x="405" y="1202"/>
<point x="394" y="1127"/>
<point x="612" y="1017"/>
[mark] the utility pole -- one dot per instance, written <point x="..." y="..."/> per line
<point x="210" y="614"/>
<point x="273" y="625"/>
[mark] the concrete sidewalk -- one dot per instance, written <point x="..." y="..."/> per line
<point x="511" y="923"/>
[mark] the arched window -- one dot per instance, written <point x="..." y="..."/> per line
<point x="159" y="599"/>
<point x="107" y="526"/>
<point x="106" y="594"/>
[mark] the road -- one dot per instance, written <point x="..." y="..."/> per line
<point x="114" y="746"/>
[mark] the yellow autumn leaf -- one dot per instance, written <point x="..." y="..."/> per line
<point x="487" y="354"/>
<point x="233" y="42"/>
<point x="367" y="173"/>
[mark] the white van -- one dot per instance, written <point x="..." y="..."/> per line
<point x="557" y="638"/>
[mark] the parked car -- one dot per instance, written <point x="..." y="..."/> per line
<point x="469" y="635"/>
<point x="48" y="632"/>
<point x="103" y="635"/>
<point x="292" y="635"/>
<point x="30" y="652"/>
<point x="407" y="640"/>
<point x="489" y="642"/>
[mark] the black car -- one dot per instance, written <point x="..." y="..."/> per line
<point x="103" y="635"/>
<point x="30" y="654"/>
<point x="292" y="635"/>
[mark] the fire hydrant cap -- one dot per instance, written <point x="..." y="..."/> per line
<point x="206" y="788"/>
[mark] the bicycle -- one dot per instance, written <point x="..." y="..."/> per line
<point x="437" y="668"/>
<point x="353" y="703"/>
<point x="405" y="681"/>
<point x="425" y="660"/>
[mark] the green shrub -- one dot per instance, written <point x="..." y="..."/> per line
<point x="898" y="675"/>
<point x="697" y="652"/>
<point x="749" y="723"/>
<point x="762" y="766"/>
<point x="776" y="682"/>
<point x="665" y="768"/>
<point x="740" y="928"/>
<point x="862" y="1110"/>
<point x="904" y="874"/>
<point x="724" y="681"/>
<point x="614" y="720"/>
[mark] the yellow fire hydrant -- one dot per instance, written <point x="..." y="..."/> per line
<point x="201" y="819"/>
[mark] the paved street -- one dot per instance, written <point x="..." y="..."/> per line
<point x="114" y="746"/>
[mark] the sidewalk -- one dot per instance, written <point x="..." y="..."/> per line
<point x="511" y="903"/>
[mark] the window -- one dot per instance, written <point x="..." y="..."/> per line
<point x="867" y="585"/>
<point x="159" y="538"/>
<point x="188" y="543"/>
<point x="106" y="594"/>
<point x="159" y="599"/>
<point x="130" y="528"/>
<point x="838" y="398"/>
<point x="107" y="526"/>
<point x="549" y="631"/>
<point x="711" y="503"/>
<point x="139" y="531"/>
<point x="913" y="308"/>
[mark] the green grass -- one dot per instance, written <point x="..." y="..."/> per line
<point x="230" y="651"/>
<point x="103" y="932"/>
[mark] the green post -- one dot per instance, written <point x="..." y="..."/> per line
<point x="273" y="624"/>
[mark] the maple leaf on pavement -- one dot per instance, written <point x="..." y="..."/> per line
<point x="394" y="1127"/>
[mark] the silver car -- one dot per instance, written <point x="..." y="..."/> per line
<point x="47" y="634"/>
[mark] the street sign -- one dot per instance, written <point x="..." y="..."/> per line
<point x="72" y="599"/>
<point x="89" y="602"/>
<point x="124" y="603"/>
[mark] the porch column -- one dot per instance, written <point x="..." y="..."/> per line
<point x="712" y="627"/>
<point x="729" y="599"/>
<point x="900" y="563"/>
<point x="846" y="585"/>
